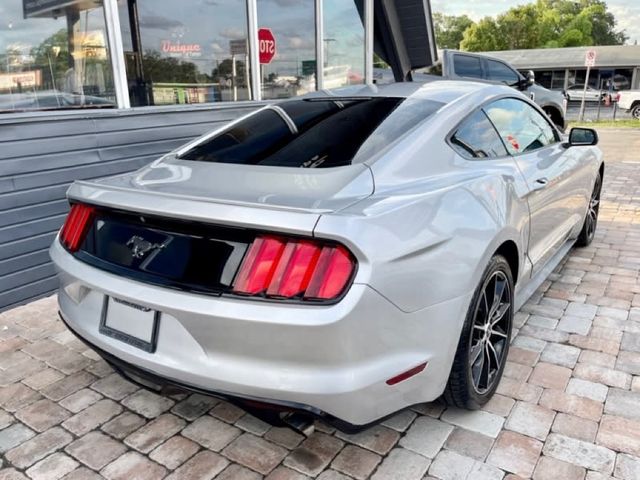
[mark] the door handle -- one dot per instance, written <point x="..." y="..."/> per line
<point x="540" y="183"/>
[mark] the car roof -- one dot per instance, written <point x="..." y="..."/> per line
<point x="443" y="91"/>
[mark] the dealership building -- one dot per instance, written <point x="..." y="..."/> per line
<point x="90" y="88"/>
<point x="560" y="68"/>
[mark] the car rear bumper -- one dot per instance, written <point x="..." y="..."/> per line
<point x="332" y="361"/>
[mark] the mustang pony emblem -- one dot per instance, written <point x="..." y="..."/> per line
<point x="140" y="247"/>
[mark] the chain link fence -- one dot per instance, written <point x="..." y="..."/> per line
<point x="595" y="111"/>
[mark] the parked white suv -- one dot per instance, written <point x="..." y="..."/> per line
<point x="629" y="100"/>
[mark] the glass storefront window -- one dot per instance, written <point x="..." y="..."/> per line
<point x="577" y="77"/>
<point x="292" y="69"/>
<point x="343" y="44"/>
<point x="552" y="79"/>
<point x="54" y="55"/>
<point x="192" y="51"/>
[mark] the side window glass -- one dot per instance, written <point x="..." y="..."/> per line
<point x="467" y="66"/>
<point x="499" y="72"/>
<point x="520" y="126"/>
<point x="477" y="138"/>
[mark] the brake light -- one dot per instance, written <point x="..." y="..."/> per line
<point x="277" y="267"/>
<point x="76" y="226"/>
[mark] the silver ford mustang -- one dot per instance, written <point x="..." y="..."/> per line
<point x="342" y="255"/>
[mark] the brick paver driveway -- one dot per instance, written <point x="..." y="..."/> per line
<point x="568" y="407"/>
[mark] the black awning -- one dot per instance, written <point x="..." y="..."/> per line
<point x="403" y="34"/>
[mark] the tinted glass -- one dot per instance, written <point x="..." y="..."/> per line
<point x="521" y="127"/>
<point x="327" y="133"/>
<point x="403" y="119"/>
<point x="467" y="66"/>
<point x="249" y="141"/>
<point x="477" y="138"/>
<point x="499" y="72"/>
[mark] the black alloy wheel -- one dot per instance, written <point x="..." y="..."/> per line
<point x="591" y="220"/>
<point x="484" y="341"/>
<point x="490" y="332"/>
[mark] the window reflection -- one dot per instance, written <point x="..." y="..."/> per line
<point x="521" y="127"/>
<point x="477" y="138"/>
<point x="54" y="55"/>
<point x="343" y="44"/>
<point x="292" y="70"/>
<point x="192" y="51"/>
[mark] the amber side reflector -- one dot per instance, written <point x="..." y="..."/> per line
<point x="408" y="374"/>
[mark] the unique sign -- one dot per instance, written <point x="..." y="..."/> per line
<point x="181" y="49"/>
<point x="590" y="58"/>
<point x="266" y="45"/>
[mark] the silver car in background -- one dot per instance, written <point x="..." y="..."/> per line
<point x="343" y="255"/>
<point x="575" y="93"/>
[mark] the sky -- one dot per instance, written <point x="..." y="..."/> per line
<point x="627" y="12"/>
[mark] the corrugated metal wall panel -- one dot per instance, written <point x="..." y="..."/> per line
<point x="41" y="154"/>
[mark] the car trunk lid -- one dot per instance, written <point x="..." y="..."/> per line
<point x="188" y="225"/>
<point x="268" y="198"/>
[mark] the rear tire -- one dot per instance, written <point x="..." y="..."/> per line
<point x="484" y="341"/>
<point x="591" y="220"/>
<point x="635" y="112"/>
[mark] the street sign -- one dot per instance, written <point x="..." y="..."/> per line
<point x="266" y="45"/>
<point x="308" y="67"/>
<point x="589" y="61"/>
<point x="238" y="47"/>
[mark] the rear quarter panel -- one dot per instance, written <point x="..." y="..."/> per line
<point x="427" y="233"/>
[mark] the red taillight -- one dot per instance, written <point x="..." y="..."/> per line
<point x="288" y="268"/>
<point x="76" y="226"/>
<point x="259" y="265"/>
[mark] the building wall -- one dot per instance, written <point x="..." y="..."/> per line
<point x="41" y="154"/>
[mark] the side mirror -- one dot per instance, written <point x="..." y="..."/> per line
<point x="531" y="78"/>
<point x="579" y="136"/>
<point x="525" y="82"/>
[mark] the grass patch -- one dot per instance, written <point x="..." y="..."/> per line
<point x="626" y="123"/>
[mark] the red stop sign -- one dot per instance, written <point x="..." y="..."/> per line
<point x="266" y="45"/>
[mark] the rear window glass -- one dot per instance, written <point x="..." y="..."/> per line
<point x="314" y="132"/>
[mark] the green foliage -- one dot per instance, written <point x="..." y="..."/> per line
<point x="545" y="24"/>
<point x="161" y="69"/>
<point x="449" y="29"/>
<point x="225" y="69"/>
<point x="52" y="57"/>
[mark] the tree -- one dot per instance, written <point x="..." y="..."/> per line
<point x="53" y="59"/>
<point x="546" y="23"/>
<point x="449" y="29"/>
<point x="225" y="69"/>
<point x="161" y="69"/>
<point x="483" y="36"/>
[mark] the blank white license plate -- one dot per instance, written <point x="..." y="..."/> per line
<point x="130" y="323"/>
